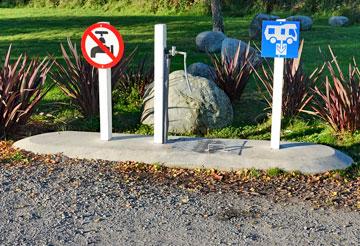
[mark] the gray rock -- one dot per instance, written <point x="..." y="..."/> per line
<point x="339" y="21"/>
<point x="256" y="25"/>
<point x="229" y="48"/>
<point x="209" y="41"/>
<point x="201" y="69"/>
<point x="305" y="21"/>
<point x="205" y="107"/>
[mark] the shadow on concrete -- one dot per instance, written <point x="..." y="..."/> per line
<point x="294" y="145"/>
<point x="120" y="138"/>
<point x="182" y="139"/>
<point x="210" y="146"/>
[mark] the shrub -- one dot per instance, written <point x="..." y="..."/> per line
<point x="233" y="73"/>
<point x="22" y="86"/>
<point x="350" y="11"/>
<point x="133" y="82"/>
<point x="146" y="5"/>
<point x="297" y="85"/>
<point x="232" y="7"/>
<point x="79" y="80"/>
<point x="339" y="104"/>
<point x="12" y="3"/>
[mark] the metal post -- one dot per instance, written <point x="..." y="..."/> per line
<point x="166" y="97"/>
<point x="159" y="84"/>
<point x="277" y="103"/>
<point x="105" y="104"/>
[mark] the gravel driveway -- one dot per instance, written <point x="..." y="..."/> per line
<point x="84" y="203"/>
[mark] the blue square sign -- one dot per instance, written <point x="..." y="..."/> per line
<point x="280" y="39"/>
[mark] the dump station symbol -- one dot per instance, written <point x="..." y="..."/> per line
<point x="280" y="39"/>
<point x="102" y="45"/>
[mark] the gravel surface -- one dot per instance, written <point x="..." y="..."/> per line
<point x="82" y="202"/>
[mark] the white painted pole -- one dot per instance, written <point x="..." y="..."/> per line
<point x="159" y="85"/>
<point x="105" y="104"/>
<point x="277" y="103"/>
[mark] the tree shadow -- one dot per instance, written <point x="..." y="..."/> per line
<point x="41" y="35"/>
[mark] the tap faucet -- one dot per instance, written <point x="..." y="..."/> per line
<point x="174" y="52"/>
<point x="96" y="50"/>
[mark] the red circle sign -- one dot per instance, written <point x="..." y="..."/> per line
<point x="102" y="45"/>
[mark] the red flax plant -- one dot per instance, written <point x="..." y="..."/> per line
<point x="136" y="79"/>
<point x="339" y="104"/>
<point x="79" y="80"/>
<point x="22" y="86"/>
<point x="233" y="73"/>
<point x="297" y="85"/>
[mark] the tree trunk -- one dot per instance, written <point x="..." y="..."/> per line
<point x="217" y="18"/>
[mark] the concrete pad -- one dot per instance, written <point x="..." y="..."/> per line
<point x="185" y="152"/>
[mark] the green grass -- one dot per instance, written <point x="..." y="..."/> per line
<point x="38" y="32"/>
<point x="254" y="173"/>
<point x="14" y="157"/>
<point x="274" y="172"/>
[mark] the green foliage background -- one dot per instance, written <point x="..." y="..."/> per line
<point x="350" y="8"/>
<point x="145" y="6"/>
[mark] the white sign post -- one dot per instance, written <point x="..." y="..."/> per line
<point x="159" y="85"/>
<point x="277" y="102"/>
<point x="103" y="47"/>
<point x="105" y="104"/>
<point x="280" y="40"/>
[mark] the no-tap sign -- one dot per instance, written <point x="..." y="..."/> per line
<point x="102" y="45"/>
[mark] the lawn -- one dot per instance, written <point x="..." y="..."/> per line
<point x="38" y="32"/>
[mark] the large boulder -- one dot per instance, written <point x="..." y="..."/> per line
<point x="209" y="41"/>
<point x="205" y="107"/>
<point x="305" y="21"/>
<point x="256" y="25"/>
<point x="339" y="21"/>
<point x="230" y="46"/>
<point x="202" y="70"/>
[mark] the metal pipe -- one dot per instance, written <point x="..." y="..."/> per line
<point x="166" y="97"/>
